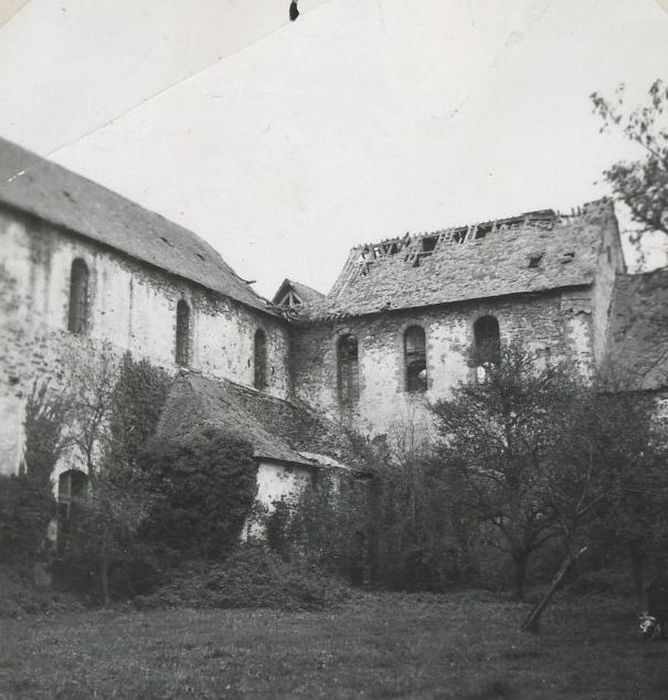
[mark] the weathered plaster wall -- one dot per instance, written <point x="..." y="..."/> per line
<point x="556" y="324"/>
<point x="275" y="482"/>
<point x="131" y="305"/>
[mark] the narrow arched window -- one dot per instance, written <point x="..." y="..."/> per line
<point x="415" y="359"/>
<point x="182" y="333"/>
<point x="72" y="488"/>
<point x="348" y="370"/>
<point x="487" y="341"/>
<point x="260" y="359"/>
<point x="77" y="321"/>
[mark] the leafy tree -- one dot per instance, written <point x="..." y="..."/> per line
<point x="498" y="436"/>
<point x="113" y="409"/>
<point x="641" y="184"/>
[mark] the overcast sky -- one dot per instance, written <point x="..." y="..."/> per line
<point x="284" y="144"/>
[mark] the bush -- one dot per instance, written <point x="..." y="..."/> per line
<point x="19" y="596"/>
<point x="251" y="577"/>
<point x="26" y="509"/>
<point x="205" y="485"/>
<point x="328" y="526"/>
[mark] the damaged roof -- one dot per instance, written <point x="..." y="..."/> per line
<point x="52" y="193"/>
<point x="637" y="343"/>
<point x="279" y="430"/>
<point x="307" y="294"/>
<point x="528" y="253"/>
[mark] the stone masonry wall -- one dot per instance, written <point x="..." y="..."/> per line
<point x="556" y="324"/>
<point x="131" y="305"/>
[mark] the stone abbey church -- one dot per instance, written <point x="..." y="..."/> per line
<point x="81" y="266"/>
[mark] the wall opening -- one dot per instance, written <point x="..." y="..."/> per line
<point x="182" y="333"/>
<point x="415" y="359"/>
<point x="348" y="370"/>
<point x="77" y="321"/>
<point x="72" y="489"/>
<point x="260" y="360"/>
<point x="487" y="343"/>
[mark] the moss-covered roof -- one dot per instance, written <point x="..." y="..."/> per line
<point x="279" y="430"/>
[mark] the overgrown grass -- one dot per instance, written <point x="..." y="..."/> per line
<point x="461" y="646"/>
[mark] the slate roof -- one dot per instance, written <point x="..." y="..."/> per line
<point x="52" y="193"/>
<point x="528" y="253"/>
<point x="307" y="294"/>
<point x="278" y="430"/>
<point x="637" y="343"/>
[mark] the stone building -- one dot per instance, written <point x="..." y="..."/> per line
<point x="81" y="266"/>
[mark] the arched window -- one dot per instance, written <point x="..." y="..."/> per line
<point x="72" y="488"/>
<point x="415" y="359"/>
<point x="182" y="333"/>
<point x="260" y="359"/>
<point x="348" y="370"/>
<point x="487" y="341"/>
<point x="77" y="321"/>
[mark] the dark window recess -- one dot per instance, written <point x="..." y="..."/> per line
<point x="567" y="257"/>
<point x="77" y="321"/>
<point x="415" y="359"/>
<point x="429" y="244"/>
<point x="482" y="230"/>
<point x="459" y="235"/>
<point x="535" y="260"/>
<point x="72" y="487"/>
<point x="182" y="333"/>
<point x="487" y="341"/>
<point x="348" y="370"/>
<point x="260" y="360"/>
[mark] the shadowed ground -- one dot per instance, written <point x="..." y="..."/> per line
<point x="464" y="645"/>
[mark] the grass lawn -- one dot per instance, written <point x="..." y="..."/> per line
<point x="464" y="645"/>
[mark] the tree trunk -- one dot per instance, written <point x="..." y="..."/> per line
<point x="638" y="572"/>
<point x="104" y="568"/>
<point x="532" y="622"/>
<point x="520" y="561"/>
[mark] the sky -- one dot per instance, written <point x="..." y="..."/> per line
<point x="284" y="144"/>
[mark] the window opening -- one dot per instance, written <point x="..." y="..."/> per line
<point x="415" y="359"/>
<point x="535" y="260"/>
<point x="77" y="322"/>
<point x="182" y="333"/>
<point x="348" y="370"/>
<point x="487" y="344"/>
<point x="429" y="244"/>
<point x="260" y="360"/>
<point x="72" y="486"/>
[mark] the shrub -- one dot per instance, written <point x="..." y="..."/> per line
<point x="205" y="484"/>
<point x="328" y="526"/>
<point x="26" y="501"/>
<point x="251" y="577"/>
